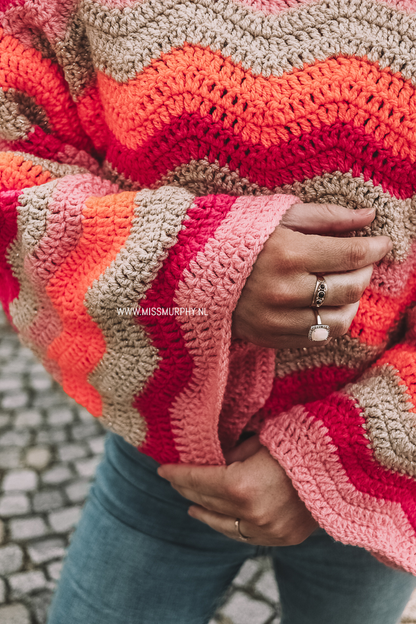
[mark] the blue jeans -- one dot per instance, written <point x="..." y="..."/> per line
<point x="138" y="558"/>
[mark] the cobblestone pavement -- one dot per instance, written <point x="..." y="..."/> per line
<point x="49" y="450"/>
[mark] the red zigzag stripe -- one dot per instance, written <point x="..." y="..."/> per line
<point x="175" y="369"/>
<point x="307" y="385"/>
<point x="345" y="425"/>
<point x="340" y="146"/>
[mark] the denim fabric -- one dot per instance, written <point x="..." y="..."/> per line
<point x="138" y="558"/>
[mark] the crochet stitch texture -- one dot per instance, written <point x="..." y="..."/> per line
<point x="149" y="150"/>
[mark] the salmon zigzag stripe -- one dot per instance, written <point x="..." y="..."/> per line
<point x="355" y="507"/>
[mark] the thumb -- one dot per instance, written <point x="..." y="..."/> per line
<point x="326" y="218"/>
<point x="243" y="451"/>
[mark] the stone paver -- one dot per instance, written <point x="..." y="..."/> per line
<point x="20" y="480"/>
<point x="46" y="550"/>
<point x="27" y="528"/>
<point x="38" y="457"/>
<point x="11" y="559"/>
<point x="242" y="609"/>
<point x="14" y="505"/>
<point x="14" y="614"/>
<point x="49" y="451"/>
<point x="26" y="583"/>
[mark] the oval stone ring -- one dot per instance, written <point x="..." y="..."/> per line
<point x="318" y="332"/>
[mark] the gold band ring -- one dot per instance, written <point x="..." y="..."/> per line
<point x="319" y="294"/>
<point x="242" y="537"/>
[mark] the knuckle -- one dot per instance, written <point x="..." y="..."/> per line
<point x="330" y="209"/>
<point x="262" y="517"/>
<point x="240" y="490"/>
<point x="356" y="253"/>
<point x="256" y="514"/>
<point x="292" y="260"/>
<point x="193" y="483"/>
<point x="353" y="293"/>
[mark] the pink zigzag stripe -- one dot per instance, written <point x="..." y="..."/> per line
<point x="64" y="230"/>
<point x="8" y="231"/>
<point x="220" y="271"/>
<point x="175" y="368"/>
<point x="346" y="513"/>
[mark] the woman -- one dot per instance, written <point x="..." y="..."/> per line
<point x="184" y="314"/>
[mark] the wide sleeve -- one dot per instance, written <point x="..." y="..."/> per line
<point x="125" y="296"/>
<point x="352" y="455"/>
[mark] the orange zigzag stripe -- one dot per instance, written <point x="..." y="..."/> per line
<point x="81" y="344"/>
<point x="26" y="71"/>
<point x="378" y="314"/>
<point x="264" y="110"/>
<point x="16" y="173"/>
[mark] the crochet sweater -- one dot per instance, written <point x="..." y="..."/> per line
<point x="149" y="150"/>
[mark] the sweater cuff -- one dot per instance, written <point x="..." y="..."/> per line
<point x="323" y="448"/>
<point x="219" y="370"/>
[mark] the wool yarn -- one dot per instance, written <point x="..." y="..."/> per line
<point x="148" y="150"/>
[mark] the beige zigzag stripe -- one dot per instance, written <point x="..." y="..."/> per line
<point x="199" y="177"/>
<point x="390" y="421"/>
<point x="124" y="41"/>
<point x="13" y="125"/>
<point x="395" y="217"/>
<point x="343" y="352"/>
<point x="32" y="224"/>
<point x="130" y="358"/>
<point x="204" y="178"/>
<point x="18" y="113"/>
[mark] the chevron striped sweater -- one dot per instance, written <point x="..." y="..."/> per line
<point x="149" y="149"/>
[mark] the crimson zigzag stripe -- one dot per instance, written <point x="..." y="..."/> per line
<point x="49" y="147"/>
<point x="175" y="368"/>
<point x="345" y="425"/>
<point x="305" y="386"/>
<point x="340" y="146"/>
<point x="9" y="285"/>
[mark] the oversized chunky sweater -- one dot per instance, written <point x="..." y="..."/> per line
<point x="149" y="150"/>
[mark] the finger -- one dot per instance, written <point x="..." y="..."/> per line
<point x="298" y="322"/>
<point x="243" y="451"/>
<point x="326" y="218"/>
<point x="212" y="503"/>
<point x="343" y="288"/>
<point x="208" y="480"/>
<point x="289" y="342"/>
<point x="324" y="254"/>
<point x="222" y="523"/>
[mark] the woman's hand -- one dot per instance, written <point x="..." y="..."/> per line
<point x="253" y="488"/>
<point x="274" y="306"/>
